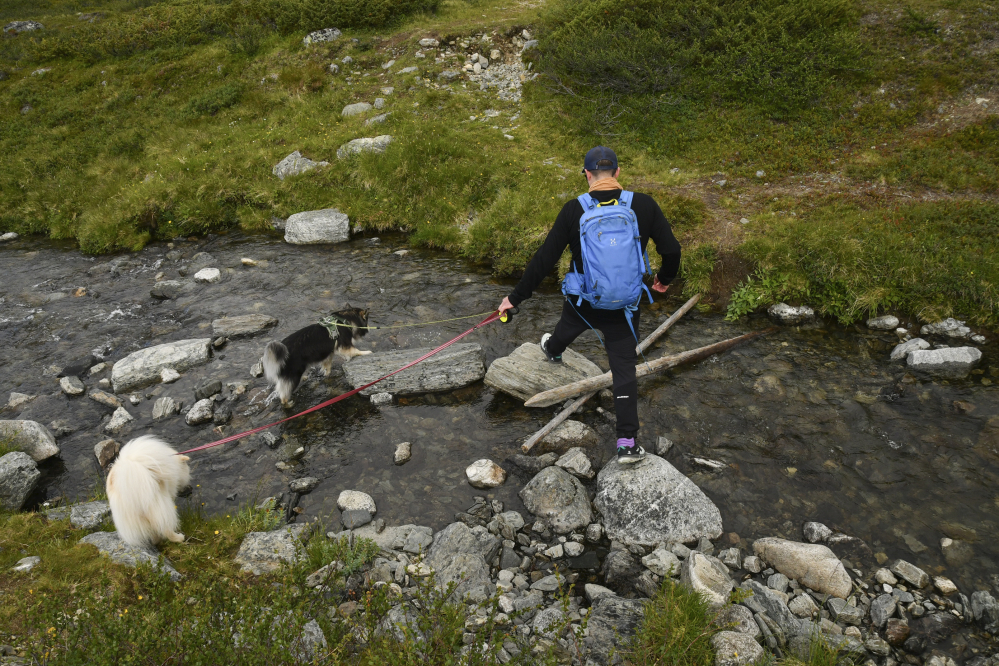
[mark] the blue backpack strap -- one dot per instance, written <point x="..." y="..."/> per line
<point x="625" y="198"/>
<point x="586" y="201"/>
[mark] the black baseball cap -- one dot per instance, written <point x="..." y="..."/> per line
<point x="593" y="159"/>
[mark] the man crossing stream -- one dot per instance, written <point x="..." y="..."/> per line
<point x="606" y="230"/>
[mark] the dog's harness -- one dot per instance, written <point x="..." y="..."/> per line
<point x="332" y="325"/>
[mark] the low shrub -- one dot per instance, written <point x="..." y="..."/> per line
<point x="213" y="101"/>
<point x="676" y="630"/>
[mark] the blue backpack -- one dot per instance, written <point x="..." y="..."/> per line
<point x="613" y="262"/>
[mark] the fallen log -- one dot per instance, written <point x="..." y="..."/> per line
<point x="645" y="344"/>
<point x="561" y="393"/>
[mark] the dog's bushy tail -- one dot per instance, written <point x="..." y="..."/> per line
<point x="141" y="488"/>
<point x="275" y="356"/>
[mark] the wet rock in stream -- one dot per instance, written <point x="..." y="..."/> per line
<point x="143" y="367"/>
<point x="30" y="437"/>
<point x="526" y="371"/>
<point x="458" y="365"/>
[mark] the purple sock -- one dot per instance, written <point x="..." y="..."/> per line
<point x="625" y="442"/>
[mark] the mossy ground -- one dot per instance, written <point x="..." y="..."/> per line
<point x="877" y="153"/>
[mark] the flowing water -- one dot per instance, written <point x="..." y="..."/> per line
<point x="809" y="423"/>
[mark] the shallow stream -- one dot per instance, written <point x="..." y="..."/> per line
<point x="809" y="423"/>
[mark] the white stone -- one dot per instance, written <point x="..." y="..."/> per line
<point x="295" y="164"/>
<point x="651" y="502"/>
<point x="573" y="549"/>
<point x="594" y="591"/>
<point x="555" y="552"/>
<point x="428" y="42"/>
<point x="945" y="586"/>
<point x="208" y="275"/>
<point x="662" y="562"/>
<point x="812" y="565"/>
<point x="30" y="437"/>
<point x="169" y="375"/>
<point x="320" y="36"/>
<point x="26" y="564"/>
<point x="144" y="366"/>
<point x="803" y="606"/>
<point x="19" y="399"/>
<point x="403" y="452"/>
<point x="355" y="499"/>
<point x="885" y="577"/>
<point x="9" y="236"/>
<point x="901" y="351"/>
<point x="952" y="328"/>
<point x="485" y="474"/>
<point x="576" y="462"/>
<point x="378" y="144"/>
<point x="118" y="421"/>
<point x="735" y="649"/>
<point x="317" y="226"/>
<point x="708" y="576"/>
<point x="201" y="412"/>
<point x="947" y="362"/>
<point x="381" y="399"/>
<point x="816" y="532"/>
<point x="356" y="109"/>
<point x="787" y="314"/>
<point x="883" y="323"/>
<point x="72" y="386"/>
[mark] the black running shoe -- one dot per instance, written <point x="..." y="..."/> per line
<point x="628" y="452"/>
<point x="544" y="347"/>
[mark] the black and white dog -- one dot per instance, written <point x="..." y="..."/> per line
<point x="285" y="362"/>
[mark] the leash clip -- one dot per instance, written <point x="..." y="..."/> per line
<point x="507" y="315"/>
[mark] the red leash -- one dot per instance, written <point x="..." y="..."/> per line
<point x="491" y="318"/>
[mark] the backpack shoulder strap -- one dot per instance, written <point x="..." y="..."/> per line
<point x="586" y="201"/>
<point x="625" y="198"/>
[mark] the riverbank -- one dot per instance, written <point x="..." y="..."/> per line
<point x="881" y="167"/>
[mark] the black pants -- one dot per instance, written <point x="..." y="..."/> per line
<point x="620" y="345"/>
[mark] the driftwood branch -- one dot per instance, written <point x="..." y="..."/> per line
<point x="561" y="393"/>
<point x="645" y="344"/>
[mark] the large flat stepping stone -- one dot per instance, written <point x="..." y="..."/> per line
<point x="414" y="539"/>
<point x="143" y="367"/>
<point x="242" y="326"/>
<point x="312" y="227"/>
<point x="30" y="437"/>
<point x="651" y="502"/>
<point x="458" y="365"/>
<point x="110" y="544"/>
<point x="265" y="552"/>
<point x="526" y="371"/>
<point x="84" y="516"/>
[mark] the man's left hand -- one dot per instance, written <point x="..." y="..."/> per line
<point x="659" y="286"/>
<point x="505" y="305"/>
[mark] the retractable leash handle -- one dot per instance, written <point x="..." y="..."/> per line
<point x="507" y="315"/>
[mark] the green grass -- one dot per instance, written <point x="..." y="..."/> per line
<point x="676" y="630"/>
<point x="163" y="119"/>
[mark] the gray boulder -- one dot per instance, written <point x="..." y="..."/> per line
<point x="265" y="552"/>
<point x="950" y="327"/>
<point x="356" y="109"/>
<point x="735" y="649"/>
<point x="910" y="573"/>
<point x="317" y="226"/>
<point x="242" y="326"/>
<point x="458" y="365"/>
<point x="953" y="362"/>
<point x="164" y="407"/>
<point x="459" y="555"/>
<point x="319" y="37"/>
<point x="568" y="435"/>
<point x="18" y="477"/>
<point x="765" y="600"/>
<point x="738" y="618"/>
<point x="303" y="485"/>
<point x="72" y="386"/>
<point x="650" y="502"/>
<point x="662" y="563"/>
<point x="613" y="621"/>
<point x="559" y="499"/>
<point x="311" y="646"/>
<point x="378" y="144"/>
<point x="812" y="565"/>
<point x="985" y="610"/>
<point x="111" y="545"/>
<point x="119" y="420"/>
<point x="23" y="26"/>
<point x="901" y="351"/>
<point x="882" y="608"/>
<point x="548" y="623"/>
<point x="883" y="323"/>
<point x="294" y="165"/>
<point x="576" y="462"/>
<point x="88" y="515"/>
<point x="526" y="371"/>
<point x="783" y="313"/>
<point x="201" y="412"/>
<point x="816" y="532"/>
<point x="105" y="451"/>
<point x="166" y="289"/>
<point x="143" y="367"/>
<point x="30" y="437"/>
<point x="705" y="574"/>
<point x="414" y="539"/>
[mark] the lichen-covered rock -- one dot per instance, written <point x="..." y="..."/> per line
<point x="567" y="435"/>
<point x="458" y="365"/>
<point x="143" y="367"/>
<point x="708" y="576"/>
<point x="355" y="499"/>
<point x="378" y="144"/>
<point x="18" y="477"/>
<point x="901" y="350"/>
<point x="485" y="474"/>
<point x="110" y="544"/>
<point x="526" y="371"/>
<point x="294" y="165"/>
<point x="735" y="649"/>
<point x="119" y="420"/>
<point x="576" y="462"/>
<point x="265" y="552"/>
<point x="313" y="227"/>
<point x="953" y="362"/>
<point x="319" y="37"/>
<point x="613" y="621"/>
<point x="559" y="499"/>
<point x="651" y="502"/>
<point x="30" y="437"/>
<point x="789" y="314"/>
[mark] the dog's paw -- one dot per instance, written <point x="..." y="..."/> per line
<point x="176" y="538"/>
<point x="364" y="353"/>
<point x="288" y="405"/>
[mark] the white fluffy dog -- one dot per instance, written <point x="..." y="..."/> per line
<point x="142" y="486"/>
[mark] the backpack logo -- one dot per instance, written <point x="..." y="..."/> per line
<point x="613" y="241"/>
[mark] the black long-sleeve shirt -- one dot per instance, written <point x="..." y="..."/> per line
<point x="651" y="224"/>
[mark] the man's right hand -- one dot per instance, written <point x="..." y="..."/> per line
<point x="505" y="305"/>
<point x="659" y="286"/>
